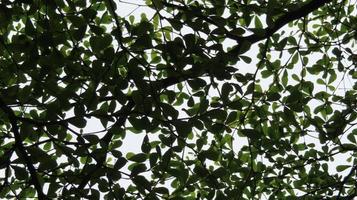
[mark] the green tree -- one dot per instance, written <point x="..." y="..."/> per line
<point x="231" y="99"/>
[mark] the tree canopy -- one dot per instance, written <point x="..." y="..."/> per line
<point x="225" y="99"/>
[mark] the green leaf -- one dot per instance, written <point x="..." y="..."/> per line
<point x="232" y="117"/>
<point x="211" y="154"/>
<point x="120" y="163"/>
<point x="352" y="137"/>
<point x="244" y="47"/>
<point x="341" y="168"/>
<point x="282" y="44"/>
<point x="20" y="173"/>
<point x="169" y="110"/>
<point x="258" y="23"/>
<point x="161" y="190"/>
<point x="251" y="133"/>
<point x="295" y="58"/>
<point x="153" y="158"/>
<point x="47" y="163"/>
<point x="284" y="78"/>
<point x="139" y="123"/>
<point x="220" y="172"/>
<point x="266" y="73"/>
<point x="333" y="76"/>
<point x="93" y="139"/>
<point x="99" y="43"/>
<point x="79" y="122"/>
<point x="246" y="59"/>
<point x="183" y="128"/>
<point x="142" y="43"/>
<point x="142" y="182"/>
<point x="137" y="169"/>
<point x="157" y="4"/>
<point x="145" y="146"/>
<point x="218" y="114"/>
<point x="273" y="96"/>
<point x="140" y="157"/>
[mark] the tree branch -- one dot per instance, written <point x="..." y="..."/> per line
<point x="345" y="180"/>
<point x="290" y="16"/>
<point x="22" y="151"/>
<point x="105" y="143"/>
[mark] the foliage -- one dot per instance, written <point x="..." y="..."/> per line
<point x="230" y="99"/>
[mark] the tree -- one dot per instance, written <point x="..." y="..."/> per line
<point x="230" y="99"/>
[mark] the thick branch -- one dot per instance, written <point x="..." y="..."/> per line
<point x="290" y="16"/>
<point x="23" y="154"/>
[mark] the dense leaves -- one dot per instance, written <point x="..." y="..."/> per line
<point x="178" y="99"/>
